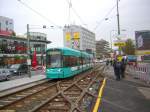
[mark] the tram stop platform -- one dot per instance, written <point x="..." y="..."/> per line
<point x="11" y="84"/>
<point x="126" y="95"/>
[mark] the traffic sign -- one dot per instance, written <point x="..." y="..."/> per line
<point x="121" y="44"/>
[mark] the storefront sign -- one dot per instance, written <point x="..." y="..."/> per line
<point x="142" y="52"/>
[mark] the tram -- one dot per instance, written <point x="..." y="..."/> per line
<point x="66" y="62"/>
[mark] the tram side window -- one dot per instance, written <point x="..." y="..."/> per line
<point x="70" y="61"/>
<point x="66" y="61"/>
<point x="48" y="62"/>
<point x="81" y="61"/>
<point x="84" y="60"/>
<point x="74" y="61"/>
<point x="88" y="60"/>
<point x="78" y="61"/>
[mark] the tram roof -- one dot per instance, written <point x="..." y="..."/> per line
<point x="69" y="51"/>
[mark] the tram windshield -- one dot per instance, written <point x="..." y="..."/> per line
<point x="53" y="59"/>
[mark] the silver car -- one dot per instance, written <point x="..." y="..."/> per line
<point x="4" y="74"/>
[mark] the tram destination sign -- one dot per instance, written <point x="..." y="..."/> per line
<point x="54" y="52"/>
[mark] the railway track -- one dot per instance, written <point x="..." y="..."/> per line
<point x="75" y="94"/>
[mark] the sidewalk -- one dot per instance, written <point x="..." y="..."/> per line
<point x="18" y="82"/>
<point x="109" y="72"/>
<point x="127" y="95"/>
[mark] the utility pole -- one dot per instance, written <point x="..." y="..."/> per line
<point x="28" y="51"/>
<point x="118" y="21"/>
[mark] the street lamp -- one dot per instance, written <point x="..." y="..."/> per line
<point x="28" y="46"/>
<point x="28" y="51"/>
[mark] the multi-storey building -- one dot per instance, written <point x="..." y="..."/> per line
<point x="80" y="38"/>
<point x="6" y="25"/>
<point x="14" y="49"/>
<point x="102" y="49"/>
<point x="39" y="43"/>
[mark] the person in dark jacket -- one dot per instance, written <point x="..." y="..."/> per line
<point x="117" y="68"/>
<point x="111" y="62"/>
<point x="123" y="67"/>
<point x="107" y="62"/>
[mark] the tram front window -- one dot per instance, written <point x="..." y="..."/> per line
<point x="53" y="59"/>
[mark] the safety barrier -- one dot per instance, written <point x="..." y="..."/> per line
<point x="140" y="71"/>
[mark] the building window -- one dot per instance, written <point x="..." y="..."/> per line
<point x="6" y="22"/>
<point x="38" y="37"/>
<point x="0" y="26"/>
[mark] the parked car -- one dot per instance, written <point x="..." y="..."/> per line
<point x="5" y="74"/>
<point x="18" y="69"/>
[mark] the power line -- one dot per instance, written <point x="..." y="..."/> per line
<point x="78" y="15"/>
<point x="44" y="17"/>
<point x="105" y="17"/>
<point x="70" y="6"/>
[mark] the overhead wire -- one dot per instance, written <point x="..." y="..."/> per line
<point x="38" y="13"/>
<point x="70" y="5"/>
<point x="104" y="28"/>
<point x="105" y="17"/>
<point x="73" y="9"/>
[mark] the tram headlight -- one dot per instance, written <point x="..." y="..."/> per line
<point x="59" y="70"/>
<point x="48" y="70"/>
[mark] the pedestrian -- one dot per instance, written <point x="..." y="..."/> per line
<point x="111" y="62"/>
<point x="123" y="67"/>
<point x="107" y="62"/>
<point x="117" y="68"/>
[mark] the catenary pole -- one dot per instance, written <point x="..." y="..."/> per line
<point x="118" y="21"/>
<point x="28" y="51"/>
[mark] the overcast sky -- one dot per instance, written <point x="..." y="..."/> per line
<point x="134" y="15"/>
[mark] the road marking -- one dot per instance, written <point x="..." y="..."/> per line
<point x="98" y="101"/>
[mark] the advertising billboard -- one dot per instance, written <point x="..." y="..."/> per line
<point x="68" y="39"/>
<point x="142" y="40"/>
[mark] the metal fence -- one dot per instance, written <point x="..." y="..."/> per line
<point x="140" y="71"/>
